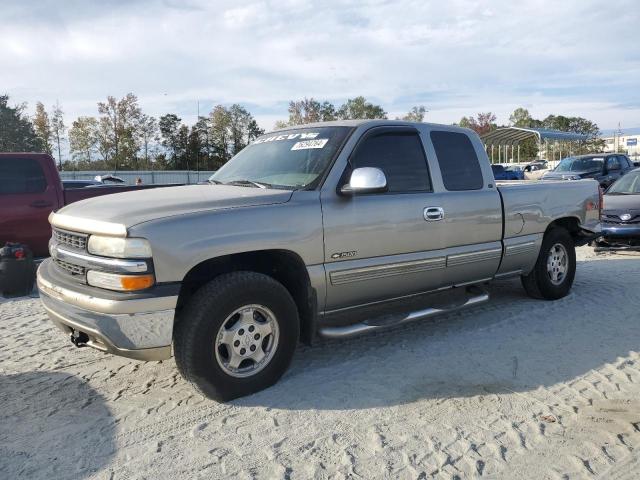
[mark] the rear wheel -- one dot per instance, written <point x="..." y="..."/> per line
<point x="236" y="335"/>
<point x="554" y="271"/>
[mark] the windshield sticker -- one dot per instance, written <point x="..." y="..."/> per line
<point x="307" y="144"/>
<point x="291" y="136"/>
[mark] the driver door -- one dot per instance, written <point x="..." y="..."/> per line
<point x="379" y="245"/>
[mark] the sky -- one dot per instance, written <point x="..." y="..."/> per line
<point x="455" y="57"/>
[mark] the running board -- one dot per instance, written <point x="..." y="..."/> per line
<point x="377" y="324"/>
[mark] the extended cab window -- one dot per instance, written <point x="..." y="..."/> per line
<point x="21" y="175"/>
<point x="458" y="161"/>
<point x="399" y="155"/>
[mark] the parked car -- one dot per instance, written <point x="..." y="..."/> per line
<point x="108" y="178"/>
<point x="517" y="171"/>
<point x="535" y="170"/>
<point x="30" y="189"/>
<point x="606" y="168"/>
<point x="69" y="184"/>
<point x="502" y="173"/>
<point x="621" y="215"/>
<point x="329" y="229"/>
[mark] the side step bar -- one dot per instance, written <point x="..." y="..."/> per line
<point x="386" y="322"/>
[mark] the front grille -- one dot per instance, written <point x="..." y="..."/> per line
<point x="70" y="267"/>
<point x="73" y="240"/>
<point x="618" y="221"/>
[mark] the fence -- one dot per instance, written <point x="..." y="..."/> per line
<point x="147" y="176"/>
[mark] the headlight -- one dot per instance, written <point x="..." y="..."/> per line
<point x="123" y="283"/>
<point x="119" y="247"/>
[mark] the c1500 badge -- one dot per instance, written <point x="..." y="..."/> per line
<point x="344" y="254"/>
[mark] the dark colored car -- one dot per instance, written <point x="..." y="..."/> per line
<point x="606" y="168"/>
<point x="502" y="173"/>
<point x="30" y="189"/>
<point x="621" y="215"/>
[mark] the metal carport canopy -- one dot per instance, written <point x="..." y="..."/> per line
<point x="514" y="135"/>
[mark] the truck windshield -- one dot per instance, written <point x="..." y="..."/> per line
<point x="291" y="159"/>
<point x="582" y="164"/>
<point x="627" y="185"/>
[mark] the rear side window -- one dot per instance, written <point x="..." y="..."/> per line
<point x="21" y="175"/>
<point x="400" y="156"/>
<point x="458" y="161"/>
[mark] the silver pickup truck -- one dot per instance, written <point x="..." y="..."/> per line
<point x="329" y="229"/>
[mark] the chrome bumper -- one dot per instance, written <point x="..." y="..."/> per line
<point x="141" y="328"/>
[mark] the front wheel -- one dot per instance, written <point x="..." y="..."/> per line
<point x="554" y="271"/>
<point x="236" y="335"/>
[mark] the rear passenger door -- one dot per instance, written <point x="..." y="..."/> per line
<point x="465" y="190"/>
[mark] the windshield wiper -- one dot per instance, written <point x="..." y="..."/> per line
<point x="249" y="182"/>
<point x="214" y="182"/>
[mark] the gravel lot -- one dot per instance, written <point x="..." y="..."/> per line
<point x="514" y="388"/>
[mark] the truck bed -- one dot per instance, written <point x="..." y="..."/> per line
<point x="528" y="208"/>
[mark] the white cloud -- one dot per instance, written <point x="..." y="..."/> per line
<point x="458" y="57"/>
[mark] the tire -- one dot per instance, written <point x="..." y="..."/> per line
<point x="209" y="336"/>
<point x="550" y="285"/>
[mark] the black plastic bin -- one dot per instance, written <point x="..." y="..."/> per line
<point x="17" y="270"/>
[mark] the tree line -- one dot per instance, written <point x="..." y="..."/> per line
<point x="122" y="137"/>
<point x="485" y="122"/>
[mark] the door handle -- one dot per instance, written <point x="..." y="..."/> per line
<point x="40" y="204"/>
<point x="433" y="214"/>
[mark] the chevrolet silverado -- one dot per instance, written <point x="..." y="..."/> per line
<point x="330" y="229"/>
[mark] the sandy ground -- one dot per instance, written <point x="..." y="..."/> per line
<point x="516" y="388"/>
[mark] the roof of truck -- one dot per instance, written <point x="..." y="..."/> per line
<point x="372" y="122"/>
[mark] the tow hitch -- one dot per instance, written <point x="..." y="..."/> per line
<point x="79" y="339"/>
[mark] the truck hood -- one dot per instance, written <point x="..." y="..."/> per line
<point x="134" y="207"/>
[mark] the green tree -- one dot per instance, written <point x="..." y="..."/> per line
<point x="239" y="120"/>
<point x="83" y="139"/>
<point x="242" y="128"/>
<point x="219" y="133"/>
<point x="481" y="124"/>
<point x="148" y="133"/>
<point x="170" y="126"/>
<point x="122" y="118"/>
<point x="58" y="129"/>
<point x="521" y="117"/>
<point x="358" y="108"/>
<point x="416" y="114"/>
<point x="105" y="141"/>
<point x="254" y="130"/>
<point x="201" y="129"/>
<point x="16" y="131"/>
<point x="593" y="143"/>
<point x="42" y="126"/>
<point x="310" y="110"/>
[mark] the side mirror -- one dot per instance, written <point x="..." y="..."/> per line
<point x="365" y="180"/>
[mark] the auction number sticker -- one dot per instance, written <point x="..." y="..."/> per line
<point x="307" y="144"/>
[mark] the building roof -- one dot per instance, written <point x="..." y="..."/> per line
<point x="514" y="135"/>
<point x="624" y="132"/>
